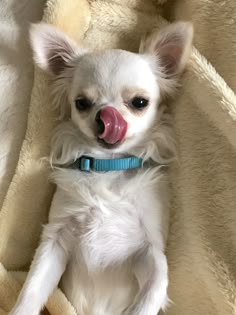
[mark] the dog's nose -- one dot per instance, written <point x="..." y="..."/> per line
<point x="111" y="126"/>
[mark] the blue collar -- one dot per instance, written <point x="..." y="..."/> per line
<point x="87" y="164"/>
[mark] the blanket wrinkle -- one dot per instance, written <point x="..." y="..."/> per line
<point x="202" y="239"/>
<point x="16" y="79"/>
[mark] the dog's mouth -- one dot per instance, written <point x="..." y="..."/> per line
<point x="111" y="127"/>
<point x="106" y="145"/>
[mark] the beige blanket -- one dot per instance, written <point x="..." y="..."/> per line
<point x="16" y="81"/>
<point x="202" y="242"/>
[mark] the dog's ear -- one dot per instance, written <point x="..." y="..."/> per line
<point x="170" y="47"/>
<point x="53" y="50"/>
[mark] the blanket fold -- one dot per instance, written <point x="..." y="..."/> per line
<point x="202" y="241"/>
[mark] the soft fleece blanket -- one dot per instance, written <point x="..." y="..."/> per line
<point x="202" y="241"/>
<point x="16" y="80"/>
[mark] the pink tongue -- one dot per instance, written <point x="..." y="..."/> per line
<point x="115" y="126"/>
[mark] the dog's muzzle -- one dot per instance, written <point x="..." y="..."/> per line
<point x="111" y="126"/>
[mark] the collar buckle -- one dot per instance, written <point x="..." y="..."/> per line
<point x="86" y="163"/>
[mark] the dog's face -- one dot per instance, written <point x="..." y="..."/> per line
<point x="113" y="97"/>
<point x="113" y="94"/>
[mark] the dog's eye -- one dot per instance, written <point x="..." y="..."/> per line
<point x="83" y="103"/>
<point x="138" y="102"/>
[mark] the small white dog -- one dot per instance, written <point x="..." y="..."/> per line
<point x="108" y="221"/>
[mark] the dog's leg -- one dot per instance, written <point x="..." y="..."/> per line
<point x="151" y="272"/>
<point x="45" y="272"/>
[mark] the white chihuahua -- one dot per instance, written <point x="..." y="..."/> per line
<point x="108" y="221"/>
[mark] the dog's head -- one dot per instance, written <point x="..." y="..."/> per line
<point x="113" y="95"/>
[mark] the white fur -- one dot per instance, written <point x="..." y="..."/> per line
<point x="107" y="231"/>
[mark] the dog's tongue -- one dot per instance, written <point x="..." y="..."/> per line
<point x="115" y="126"/>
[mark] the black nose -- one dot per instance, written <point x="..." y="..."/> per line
<point x="99" y="123"/>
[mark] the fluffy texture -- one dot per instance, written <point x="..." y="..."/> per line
<point x="16" y="80"/>
<point x="201" y="246"/>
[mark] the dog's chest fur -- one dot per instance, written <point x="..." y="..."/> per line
<point x="110" y="215"/>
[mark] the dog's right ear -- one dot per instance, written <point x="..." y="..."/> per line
<point x="53" y="50"/>
<point x="170" y="47"/>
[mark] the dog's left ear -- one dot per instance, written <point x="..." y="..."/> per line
<point x="53" y="50"/>
<point x="170" y="48"/>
